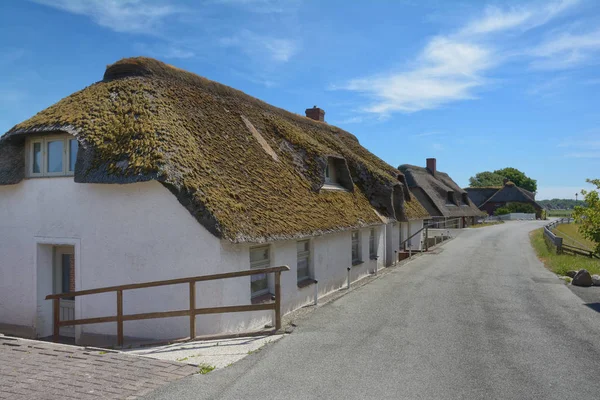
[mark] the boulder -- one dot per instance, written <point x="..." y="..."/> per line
<point x="571" y="274"/>
<point x="596" y="280"/>
<point x="582" y="278"/>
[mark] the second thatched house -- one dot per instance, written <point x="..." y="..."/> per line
<point x="448" y="204"/>
<point x="154" y="173"/>
<point x="489" y="199"/>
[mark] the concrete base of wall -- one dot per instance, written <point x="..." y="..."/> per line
<point x="18" y="330"/>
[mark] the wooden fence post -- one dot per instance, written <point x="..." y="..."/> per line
<point x="56" y="317"/>
<point x="559" y="243"/>
<point x="120" y="318"/>
<point x="278" y="300"/>
<point x="192" y="308"/>
<point x="426" y="239"/>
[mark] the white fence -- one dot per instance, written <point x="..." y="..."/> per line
<point x="517" y="217"/>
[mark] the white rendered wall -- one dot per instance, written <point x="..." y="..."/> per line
<point x="139" y="233"/>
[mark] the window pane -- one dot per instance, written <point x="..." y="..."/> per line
<point x="259" y="284"/>
<point x="55" y="156"/>
<point x="37" y="158"/>
<point x="66" y="273"/>
<point x="73" y="146"/>
<point x="302" y="268"/>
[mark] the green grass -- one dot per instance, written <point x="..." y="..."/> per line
<point x="205" y="368"/>
<point x="562" y="263"/>
<point x="491" y="223"/>
<point x="559" y="213"/>
<point x="572" y="237"/>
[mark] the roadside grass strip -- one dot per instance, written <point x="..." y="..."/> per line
<point x="561" y="263"/>
<point x="571" y="236"/>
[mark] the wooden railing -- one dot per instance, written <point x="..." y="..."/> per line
<point x="557" y="241"/>
<point x="192" y="311"/>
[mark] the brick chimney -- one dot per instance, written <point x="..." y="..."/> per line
<point x="431" y="165"/>
<point x="315" y="113"/>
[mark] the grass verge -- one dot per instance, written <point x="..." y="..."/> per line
<point x="559" y="213"/>
<point x="487" y="224"/>
<point x="562" y="263"/>
<point x="571" y="236"/>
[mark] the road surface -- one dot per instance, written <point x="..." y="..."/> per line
<point x="482" y="319"/>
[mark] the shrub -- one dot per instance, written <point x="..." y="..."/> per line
<point x="589" y="217"/>
<point x="502" y="211"/>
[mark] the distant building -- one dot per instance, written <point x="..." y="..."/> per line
<point x="443" y="199"/>
<point x="489" y="199"/>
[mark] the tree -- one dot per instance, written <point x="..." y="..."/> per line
<point x="485" y="179"/>
<point x="518" y="178"/>
<point x="588" y="217"/>
<point x="496" y="178"/>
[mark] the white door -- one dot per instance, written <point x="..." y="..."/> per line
<point x="64" y="274"/>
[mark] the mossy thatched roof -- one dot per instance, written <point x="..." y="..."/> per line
<point x="435" y="189"/>
<point x="246" y="170"/>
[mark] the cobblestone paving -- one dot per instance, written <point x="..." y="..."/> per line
<point x="31" y="369"/>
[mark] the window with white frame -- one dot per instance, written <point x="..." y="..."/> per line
<point x="259" y="258"/>
<point x="53" y="155"/>
<point x="303" y="260"/>
<point x="356" y="247"/>
<point x="372" y="245"/>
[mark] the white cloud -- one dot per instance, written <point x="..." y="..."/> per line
<point x="446" y="71"/>
<point x="261" y="6"/>
<point x="497" y="19"/>
<point x="567" y="50"/>
<point x="429" y="133"/>
<point x="133" y="16"/>
<point x="277" y="49"/>
<point x="164" y="51"/>
<point x="450" y="67"/>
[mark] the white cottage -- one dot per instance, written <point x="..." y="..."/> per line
<point x="155" y="173"/>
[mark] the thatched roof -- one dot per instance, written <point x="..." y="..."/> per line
<point x="432" y="191"/>
<point x="246" y="170"/>
<point x="509" y="193"/>
<point x="480" y="195"/>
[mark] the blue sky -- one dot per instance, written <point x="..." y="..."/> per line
<point x="478" y="85"/>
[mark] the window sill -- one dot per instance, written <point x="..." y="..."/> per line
<point x="306" y="282"/>
<point x="358" y="262"/>
<point x="334" y="186"/>
<point x="263" y="298"/>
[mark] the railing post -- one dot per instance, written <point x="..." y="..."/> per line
<point x="192" y="308"/>
<point x="56" y="317"/>
<point x="120" y="318"/>
<point x="278" y="300"/>
<point x="348" y="278"/>
<point x="559" y="242"/>
<point x="316" y="292"/>
<point x="427" y="239"/>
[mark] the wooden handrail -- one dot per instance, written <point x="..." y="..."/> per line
<point x="192" y="311"/>
<point x="169" y="282"/>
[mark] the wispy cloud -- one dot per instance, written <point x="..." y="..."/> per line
<point x="567" y="50"/>
<point x="583" y="154"/>
<point x="428" y="133"/>
<point x="261" y="6"/>
<point x="133" y="16"/>
<point x="450" y="67"/>
<point x="254" y="45"/>
<point x="496" y="19"/>
<point x="164" y="51"/>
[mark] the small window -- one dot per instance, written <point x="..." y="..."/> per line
<point x="356" y="247"/>
<point x="330" y="172"/>
<point x="53" y="155"/>
<point x="450" y="198"/>
<point x="372" y="245"/>
<point x="259" y="258"/>
<point x="465" y="199"/>
<point x="303" y="260"/>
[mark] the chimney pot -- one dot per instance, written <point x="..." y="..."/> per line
<point x="431" y="165"/>
<point x="315" y="113"/>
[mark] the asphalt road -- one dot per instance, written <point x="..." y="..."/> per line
<point x="482" y="319"/>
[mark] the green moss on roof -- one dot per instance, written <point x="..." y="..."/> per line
<point x="149" y="119"/>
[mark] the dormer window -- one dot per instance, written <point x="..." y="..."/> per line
<point x="53" y="155"/>
<point x="465" y="199"/>
<point x="450" y="198"/>
<point x="337" y="175"/>
<point x="330" y="175"/>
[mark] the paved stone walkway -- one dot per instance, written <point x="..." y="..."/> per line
<point x="31" y="369"/>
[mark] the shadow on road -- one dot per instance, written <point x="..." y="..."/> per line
<point x="594" y="306"/>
